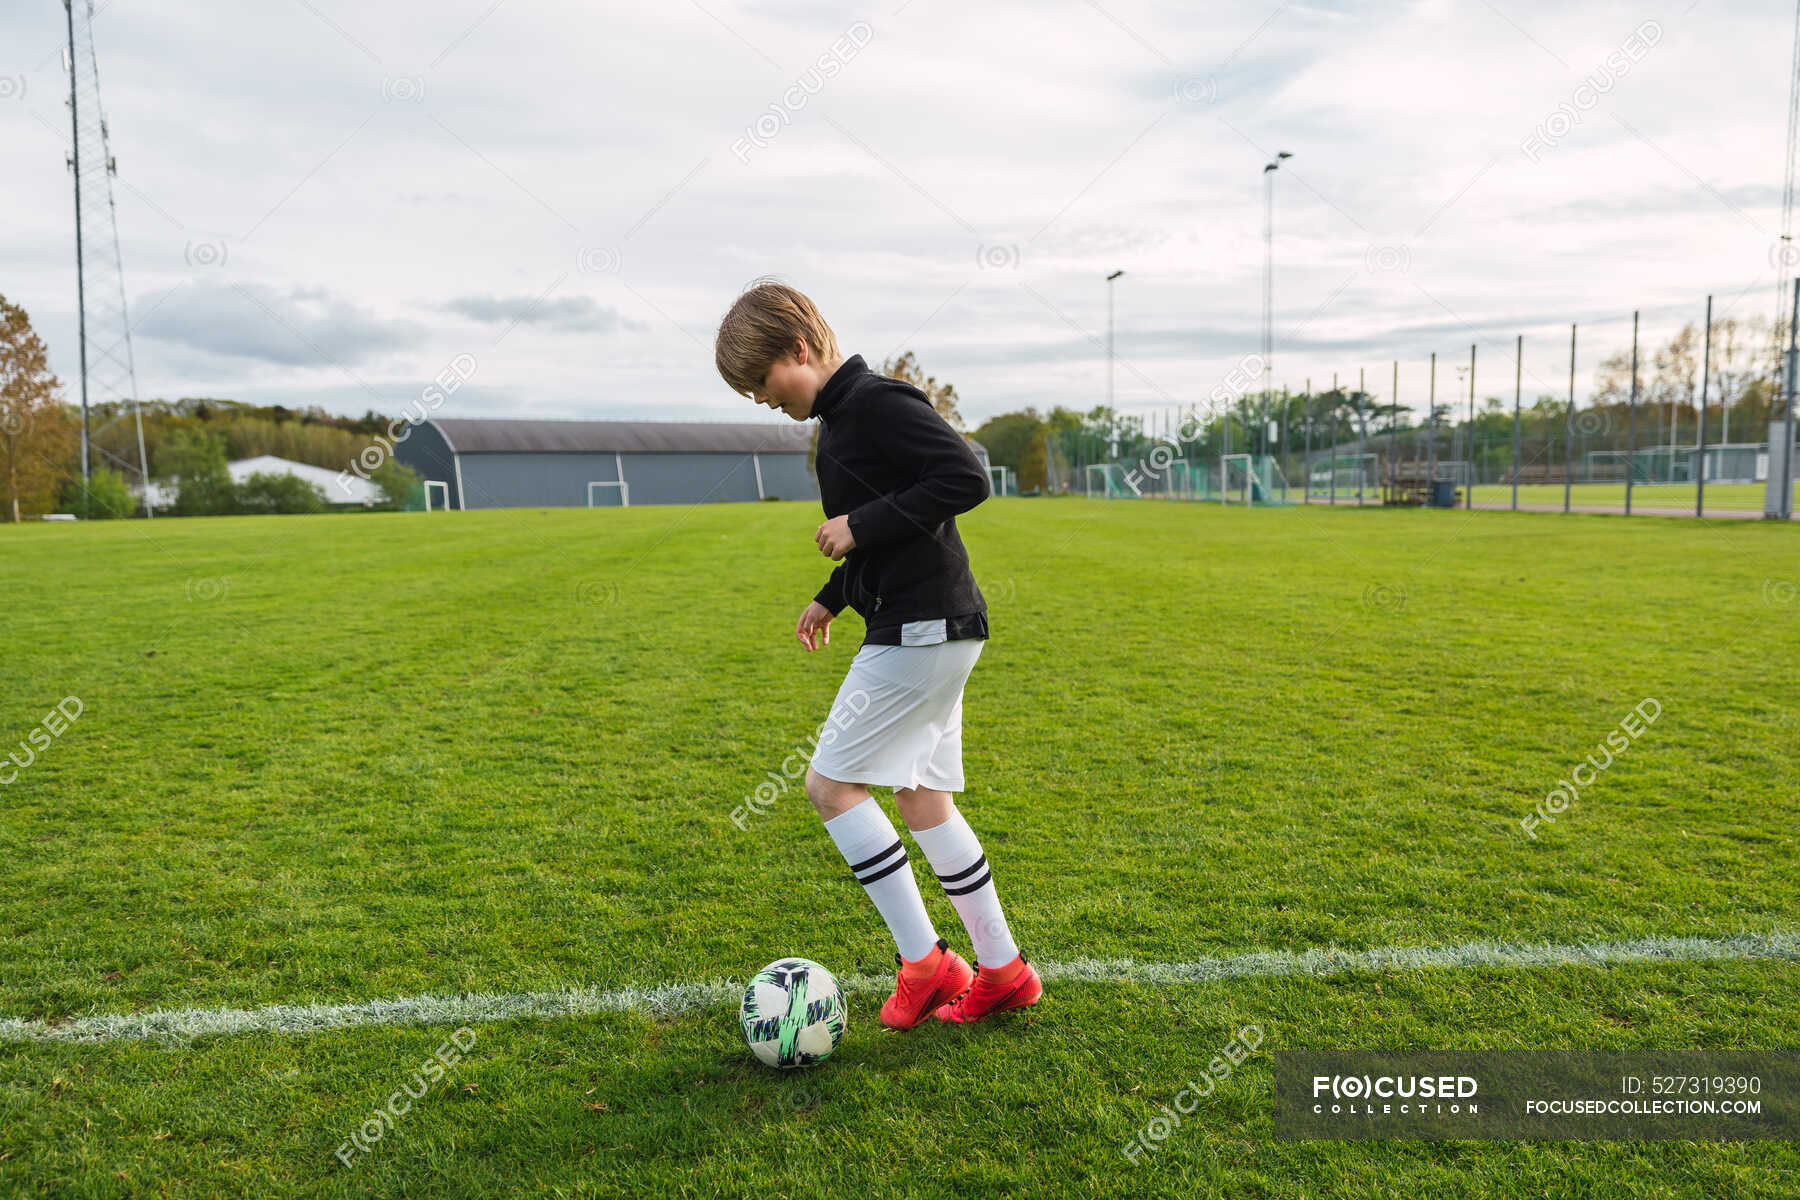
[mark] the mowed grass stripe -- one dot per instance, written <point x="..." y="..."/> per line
<point x="671" y="999"/>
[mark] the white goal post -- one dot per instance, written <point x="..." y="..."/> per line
<point x="1113" y="483"/>
<point x="437" y="483"/>
<point x="1235" y="475"/>
<point x="621" y="489"/>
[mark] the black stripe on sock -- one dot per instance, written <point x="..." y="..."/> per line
<point x="986" y="878"/>
<point x="873" y="859"/>
<point x="866" y="880"/>
<point x="972" y="868"/>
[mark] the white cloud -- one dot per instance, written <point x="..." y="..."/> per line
<point x="364" y="167"/>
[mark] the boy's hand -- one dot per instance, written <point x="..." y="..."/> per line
<point x="814" y="629"/>
<point x="834" y="538"/>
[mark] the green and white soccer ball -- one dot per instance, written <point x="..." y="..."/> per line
<point x="793" y="1014"/>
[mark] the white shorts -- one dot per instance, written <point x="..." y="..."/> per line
<point x="897" y="719"/>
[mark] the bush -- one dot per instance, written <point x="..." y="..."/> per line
<point x="198" y="459"/>
<point x="269" y="493"/>
<point x="107" y="496"/>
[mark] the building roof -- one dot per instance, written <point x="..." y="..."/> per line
<point x="508" y="436"/>
<point x="340" y="487"/>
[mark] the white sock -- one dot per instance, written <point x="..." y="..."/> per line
<point x="867" y="840"/>
<point x="962" y="868"/>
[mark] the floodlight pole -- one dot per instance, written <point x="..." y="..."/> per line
<point x="80" y="270"/>
<point x="1109" y="337"/>
<point x="1268" y="346"/>
<point x="1778" y="493"/>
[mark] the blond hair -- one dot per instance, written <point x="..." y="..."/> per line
<point x="761" y="327"/>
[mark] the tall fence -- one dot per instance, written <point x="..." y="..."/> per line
<point x="1700" y="423"/>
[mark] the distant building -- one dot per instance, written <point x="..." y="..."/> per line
<point x="339" y="488"/>
<point x="505" y="463"/>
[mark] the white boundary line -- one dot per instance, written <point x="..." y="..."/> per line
<point x="667" y="999"/>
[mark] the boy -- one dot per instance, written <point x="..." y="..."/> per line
<point x="892" y="476"/>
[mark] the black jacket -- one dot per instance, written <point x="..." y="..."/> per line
<point x="902" y="474"/>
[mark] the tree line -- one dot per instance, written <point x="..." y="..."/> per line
<point x="187" y="442"/>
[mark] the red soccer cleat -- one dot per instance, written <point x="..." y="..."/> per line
<point x="915" y="998"/>
<point x="987" y="995"/>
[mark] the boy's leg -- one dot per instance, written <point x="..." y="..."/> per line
<point x="867" y="840"/>
<point x="955" y="855"/>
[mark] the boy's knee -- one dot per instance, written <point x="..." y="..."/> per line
<point x="830" y="797"/>
<point x="922" y="807"/>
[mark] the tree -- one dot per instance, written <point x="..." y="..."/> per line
<point x="1677" y="377"/>
<point x="1731" y="369"/>
<point x="397" y="481"/>
<point x="942" y="395"/>
<point x="1612" y="381"/>
<point x="107" y="495"/>
<point x="36" y="437"/>
<point x="1017" y="440"/>
<point x="1007" y="435"/>
<point x="196" y="459"/>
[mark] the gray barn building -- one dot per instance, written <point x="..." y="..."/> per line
<point x="544" y="464"/>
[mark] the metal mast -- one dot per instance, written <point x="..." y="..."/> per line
<point x="108" y="370"/>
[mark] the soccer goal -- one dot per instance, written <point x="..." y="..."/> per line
<point x="443" y="490"/>
<point x="1342" y="475"/>
<point x="1250" y="479"/>
<point x="614" y="493"/>
<point x="1608" y="466"/>
<point x="1187" y="480"/>
<point x="1107" y="480"/>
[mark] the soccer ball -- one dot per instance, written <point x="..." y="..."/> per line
<point x="793" y="1014"/>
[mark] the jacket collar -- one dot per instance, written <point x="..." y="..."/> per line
<point x="839" y="385"/>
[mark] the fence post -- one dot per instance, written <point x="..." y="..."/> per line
<point x="1469" y="492"/>
<point x="1569" y="432"/>
<point x="1431" y="421"/>
<point x="1282" y="435"/>
<point x="1306" y="462"/>
<point x="1786" y="510"/>
<point x="1334" y="438"/>
<point x="1631" y="418"/>
<point x="1362" y="431"/>
<point x="1393" y="423"/>
<point x="1705" y="386"/>
<point x="1518" y="378"/>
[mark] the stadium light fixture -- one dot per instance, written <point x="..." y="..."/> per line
<point x="1268" y="346"/>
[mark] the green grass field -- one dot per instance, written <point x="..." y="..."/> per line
<point x="341" y="759"/>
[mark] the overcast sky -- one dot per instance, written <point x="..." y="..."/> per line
<point x="324" y="202"/>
